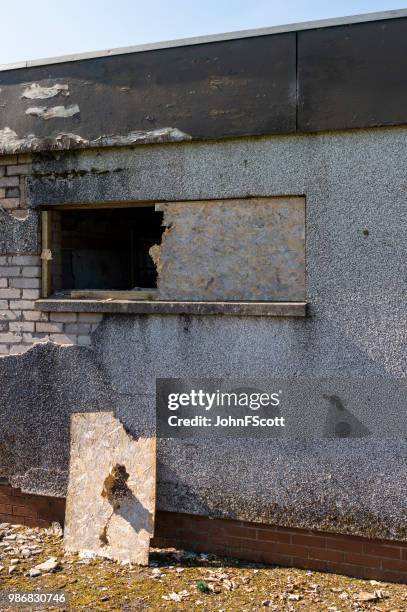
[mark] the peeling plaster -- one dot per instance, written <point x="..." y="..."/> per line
<point x="11" y="143"/>
<point x="55" y="112"/>
<point x="37" y="92"/>
<point x="43" y="413"/>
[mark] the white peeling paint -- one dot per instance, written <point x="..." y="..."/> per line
<point x="11" y="143"/>
<point x="37" y="92"/>
<point x="8" y="138"/>
<point x="55" y="112"/>
<point x="161" y="135"/>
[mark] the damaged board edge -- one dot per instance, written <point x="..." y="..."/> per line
<point x="11" y="143"/>
<point x="110" y="503"/>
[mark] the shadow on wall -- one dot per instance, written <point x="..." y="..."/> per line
<point x="123" y="501"/>
<point x="43" y="386"/>
<point x="39" y="390"/>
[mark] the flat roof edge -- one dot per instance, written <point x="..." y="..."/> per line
<point x="199" y="40"/>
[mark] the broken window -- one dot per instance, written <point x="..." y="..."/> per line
<point x="236" y="250"/>
<point x="100" y="252"/>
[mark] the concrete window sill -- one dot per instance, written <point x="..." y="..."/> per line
<point x="161" y="307"/>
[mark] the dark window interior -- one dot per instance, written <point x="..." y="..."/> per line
<point x="108" y="248"/>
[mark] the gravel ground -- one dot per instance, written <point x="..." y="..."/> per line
<point x="34" y="560"/>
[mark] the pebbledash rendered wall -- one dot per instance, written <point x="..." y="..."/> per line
<point x="355" y="188"/>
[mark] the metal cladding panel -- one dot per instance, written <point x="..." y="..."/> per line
<point x="352" y="76"/>
<point x="327" y="78"/>
<point x="216" y="90"/>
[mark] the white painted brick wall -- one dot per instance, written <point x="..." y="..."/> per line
<point x="21" y="325"/>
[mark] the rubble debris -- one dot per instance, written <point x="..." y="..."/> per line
<point x="89" y="585"/>
<point x="55" y="529"/>
<point x="111" y="501"/>
<point x="156" y="573"/>
<point x="51" y="565"/>
<point x="176" y="596"/>
<point x="366" y="596"/>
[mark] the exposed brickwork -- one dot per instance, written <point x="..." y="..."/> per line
<point x="21" y="325"/>
<point x="31" y="510"/>
<point x="13" y="170"/>
<point x="350" y="555"/>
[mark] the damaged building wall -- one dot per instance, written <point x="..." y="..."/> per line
<point x="356" y="252"/>
<point x="21" y="325"/>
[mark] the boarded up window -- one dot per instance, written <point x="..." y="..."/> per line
<point x="249" y="249"/>
<point x="243" y="249"/>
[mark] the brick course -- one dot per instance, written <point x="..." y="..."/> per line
<point x="31" y="510"/>
<point x="350" y="555"/>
